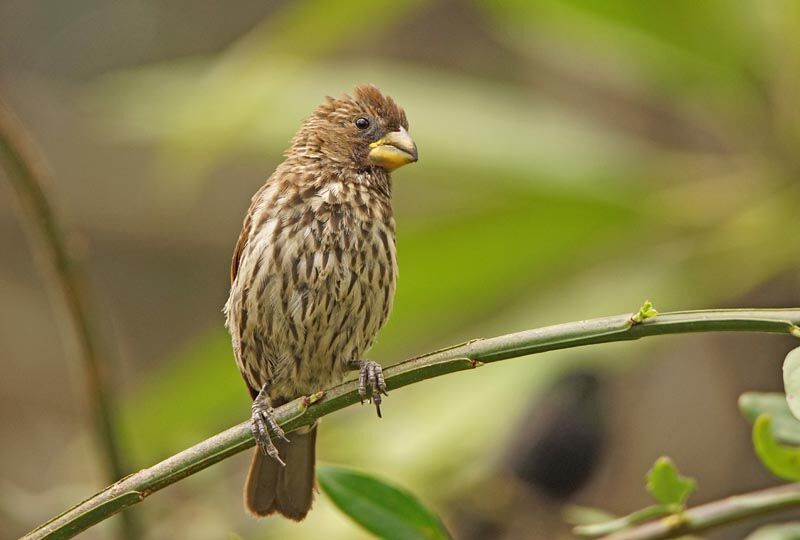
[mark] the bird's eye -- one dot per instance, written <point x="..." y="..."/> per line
<point x="362" y="123"/>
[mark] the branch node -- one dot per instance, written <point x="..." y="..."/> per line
<point x="313" y="398"/>
<point x="676" y="522"/>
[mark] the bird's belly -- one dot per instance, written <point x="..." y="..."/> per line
<point x="318" y="309"/>
<point x="327" y="324"/>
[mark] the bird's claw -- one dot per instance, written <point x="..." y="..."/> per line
<point x="264" y="422"/>
<point x="370" y="374"/>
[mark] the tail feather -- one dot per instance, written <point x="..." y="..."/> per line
<point x="288" y="490"/>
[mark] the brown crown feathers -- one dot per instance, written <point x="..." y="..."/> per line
<point x="330" y="133"/>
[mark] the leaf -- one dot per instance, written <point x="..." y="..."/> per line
<point x="666" y="485"/>
<point x="384" y="510"/>
<point x="785" y="427"/>
<point x="791" y="381"/>
<point x="782" y="531"/>
<point x="782" y="461"/>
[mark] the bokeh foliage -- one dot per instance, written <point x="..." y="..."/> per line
<point x="626" y="151"/>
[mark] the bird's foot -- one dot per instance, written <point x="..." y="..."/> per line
<point x="264" y="422"/>
<point x="370" y="374"/>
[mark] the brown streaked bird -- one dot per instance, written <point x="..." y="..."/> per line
<point x="313" y="279"/>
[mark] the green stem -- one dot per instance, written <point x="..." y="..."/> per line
<point x="607" y="527"/>
<point x="304" y="411"/>
<point x="28" y="174"/>
<point x="704" y="517"/>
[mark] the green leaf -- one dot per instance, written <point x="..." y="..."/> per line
<point x="791" y="381"/>
<point x="385" y="510"/>
<point x="782" y="461"/>
<point x="666" y="485"/>
<point x="785" y="427"/>
<point x="782" y="531"/>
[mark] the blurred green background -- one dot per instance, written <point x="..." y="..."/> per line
<point x="576" y="158"/>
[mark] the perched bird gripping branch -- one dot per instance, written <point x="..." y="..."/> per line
<point x="313" y="279"/>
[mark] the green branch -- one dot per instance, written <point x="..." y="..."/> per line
<point x="706" y="516"/>
<point x="28" y="175"/>
<point x="304" y="411"/>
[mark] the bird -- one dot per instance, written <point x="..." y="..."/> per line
<point x="313" y="278"/>
<point x="549" y="457"/>
<point x="560" y="442"/>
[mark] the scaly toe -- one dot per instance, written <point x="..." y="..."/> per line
<point x="370" y="375"/>
<point x="362" y="382"/>
<point x="277" y="430"/>
<point x="263" y="422"/>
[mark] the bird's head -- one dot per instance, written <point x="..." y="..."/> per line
<point x="365" y="130"/>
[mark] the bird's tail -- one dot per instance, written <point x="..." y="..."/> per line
<point x="287" y="490"/>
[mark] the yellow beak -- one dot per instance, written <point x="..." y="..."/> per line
<point x="393" y="150"/>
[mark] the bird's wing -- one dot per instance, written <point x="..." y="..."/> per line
<point x="241" y="243"/>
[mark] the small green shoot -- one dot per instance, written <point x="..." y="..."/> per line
<point x="647" y="311"/>
<point x="666" y="485"/>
